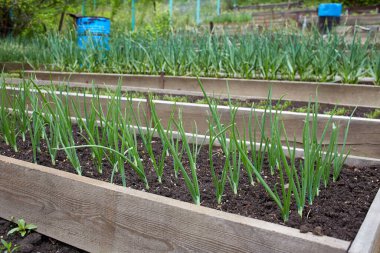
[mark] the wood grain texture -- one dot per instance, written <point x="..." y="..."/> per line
<point x="363" y="138"/>
<point x="14" y="66"/>
<point x="368" y="238"/>
<point x="330" y="93"/>
<point x="369" y="19"/>
<point x="100" y="217"/>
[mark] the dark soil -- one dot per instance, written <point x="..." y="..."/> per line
<point x="33" y="242"/>
<point x="338" y="211"/>
<point x="292" y="106"/>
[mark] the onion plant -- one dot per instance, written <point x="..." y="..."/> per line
<point x="190" y="181"/>
<point x="8" y="120"/>
<point x="129" y="139"/>
<point x="375" y="68"/>
<point x="283" y="205"/>
<point x="147" y="139"/>
<point x="61" y="112"/>
<point x="96" y="133"/>
<point x="267" y="55"/>
<point x="219" y="183"/>
<point x="21" y="109"/>
<point x="340" y="157"/>
<point x="351" y="64"/>
<point x="36" y="127"/>
<point x="51" y="139"/>
<point x="178" y="148"/>
<point x="218" y="131"/>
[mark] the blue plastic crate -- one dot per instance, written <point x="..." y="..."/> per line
<point x="330" y="10"/>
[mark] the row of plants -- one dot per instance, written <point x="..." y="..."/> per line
<point x="265" y="55"/>
<point x="284" y="105"/>
<point x="112" y="132"/>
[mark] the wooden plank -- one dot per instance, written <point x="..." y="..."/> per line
<point x="14" y="66"/>
<point x="361" y="20"/>
<point x="330" y="93"/>
<point x="283" y="13"/>
<point x="357" y="20"/>
<point x="363" y="139"/>
<point x="100" y="217"/>
<point x="271" y="6"/>
<point x="363" y="9"/>
<point x="100" y="78"/>
<point x="368" y="238"/>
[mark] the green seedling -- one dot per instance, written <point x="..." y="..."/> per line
<point x="8" y="247"/>
<point x="22" y="227"/>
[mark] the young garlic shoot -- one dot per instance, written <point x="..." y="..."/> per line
<point x="61" y="114"/>
<point x="287" y="188"/>
<point x="177" y="147"/>
<point x="129" y="140"/>
<point x="234" y="157"/>
<point x="8" y="119"/>
<point x="96" y="134"/>
<point x="147" y="140"/>
<point x="234" y="168"/>
<point x="241" y="146"/>
<point x="340" y="158"/>
<point x="219" y="183"/>
<point x="191" y="182"/>
<point x="91" y="135"/>
<point x="51" y="139"/>
<point x="36" y="127"/>
<point x="257" y="153"/>
<point x="22" y="110"/>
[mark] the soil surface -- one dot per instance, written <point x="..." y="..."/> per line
<point x="33" y="242"/>
<point x="338" y="211"/>
<point x="292" y="106"/>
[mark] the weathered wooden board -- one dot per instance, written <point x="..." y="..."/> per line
<point x="371" y="19"/>
<point x="100" y="217"/>
<point x="331" y="93"/>
<point x="368" y="237"/>
<point x="363" y="139"/>
<point x="287" y="5"/>
<point x="14" y="66"/>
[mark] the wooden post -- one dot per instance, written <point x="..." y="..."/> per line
<point x="61" y="20"/>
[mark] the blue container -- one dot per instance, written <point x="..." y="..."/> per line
<point x="93" y="32"/>
<point x="330" y="10"/>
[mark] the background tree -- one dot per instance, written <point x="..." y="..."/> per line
<point x="17" y="16"/>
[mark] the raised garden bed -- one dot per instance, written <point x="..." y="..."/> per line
<point x="198" y="98"/>
<point x="99" y="217"/>
<point x="331" y="93"/>
<point x="363" y="140"/>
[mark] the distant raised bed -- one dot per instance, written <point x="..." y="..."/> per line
<point x="330" y="93"/>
